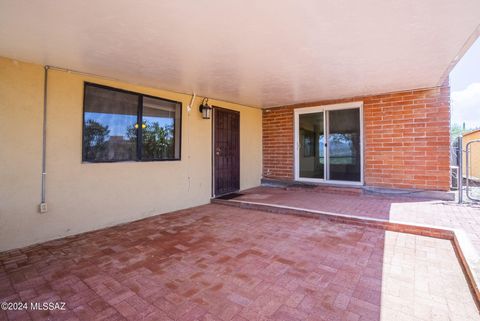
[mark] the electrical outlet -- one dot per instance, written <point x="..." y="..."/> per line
<point x="43" y="207"/>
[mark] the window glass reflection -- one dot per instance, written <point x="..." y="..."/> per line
<point x="160" y="120"/>
<point x="344" y="145"/>
<point x="311" y="154"/>
<point x="109" y="125"/>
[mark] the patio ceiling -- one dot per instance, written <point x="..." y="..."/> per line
<point x="259" y="53"/>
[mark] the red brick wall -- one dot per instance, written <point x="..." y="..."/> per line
<point x="406" y="139"/>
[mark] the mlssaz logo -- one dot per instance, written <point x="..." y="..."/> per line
<point x="47" y="306"/>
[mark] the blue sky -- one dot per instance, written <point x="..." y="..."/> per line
<point x="465" y="88"/>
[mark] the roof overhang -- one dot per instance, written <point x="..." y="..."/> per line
<point x="259" y="53"/>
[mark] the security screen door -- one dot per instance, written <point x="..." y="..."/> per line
<point x="226" y="140"/>
<point x="329" y="144"/>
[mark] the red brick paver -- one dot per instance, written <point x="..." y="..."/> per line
<point x="394" y="208"/>
<point x="221" y="263"/>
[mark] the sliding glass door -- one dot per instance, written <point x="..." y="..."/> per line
<point x="312" y="138"/>
<point x="344" y="156"/>
<point x="329" y="144"/>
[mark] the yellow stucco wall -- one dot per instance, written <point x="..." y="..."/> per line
<point x="83" y="197"/>
<point x="474" y="159"/>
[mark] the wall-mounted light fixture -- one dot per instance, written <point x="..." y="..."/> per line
<point x="205" y="109"/>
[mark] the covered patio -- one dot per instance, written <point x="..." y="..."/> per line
<point x="137" y="137"/>
<point x="216" y="262"/>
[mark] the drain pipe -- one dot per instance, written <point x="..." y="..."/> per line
<point x="43" y="203"/>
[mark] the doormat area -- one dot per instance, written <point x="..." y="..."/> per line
<point x="230" y="196"/>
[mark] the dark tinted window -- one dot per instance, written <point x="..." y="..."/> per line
<point x="111" y="130"/>
<point x="109" y="125"/>
<point x="344" y="145"/>
<point x="161" y="121"/>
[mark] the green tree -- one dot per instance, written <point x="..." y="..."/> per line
<point x="157" y="141"/>
<point x="456" y="130"/>
<point x="95" y="138"/>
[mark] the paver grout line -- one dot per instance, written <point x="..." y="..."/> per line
<point x="466" y="254"/>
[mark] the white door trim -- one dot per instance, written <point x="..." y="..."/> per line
<point x="324" y="108"/>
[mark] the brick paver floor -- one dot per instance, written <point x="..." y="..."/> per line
<point x="217" y="262"/>
<point x="394" y="208"/>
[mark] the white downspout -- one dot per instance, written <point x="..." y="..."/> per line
<point x="43" y="203"/>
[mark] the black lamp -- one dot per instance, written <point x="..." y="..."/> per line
<point x="205" y="109"/>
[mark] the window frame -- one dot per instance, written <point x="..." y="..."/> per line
<point x="139" y="142"/>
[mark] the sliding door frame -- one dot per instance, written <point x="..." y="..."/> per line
<point x="325" y="109"/>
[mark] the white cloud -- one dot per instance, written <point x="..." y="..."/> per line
<point x="466" y="106"/>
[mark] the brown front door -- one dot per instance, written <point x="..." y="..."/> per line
<point x="226" y="151"/>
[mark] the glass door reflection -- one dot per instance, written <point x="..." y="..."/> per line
<point x="312" y="141"/>
<point x="344" y="154"/>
